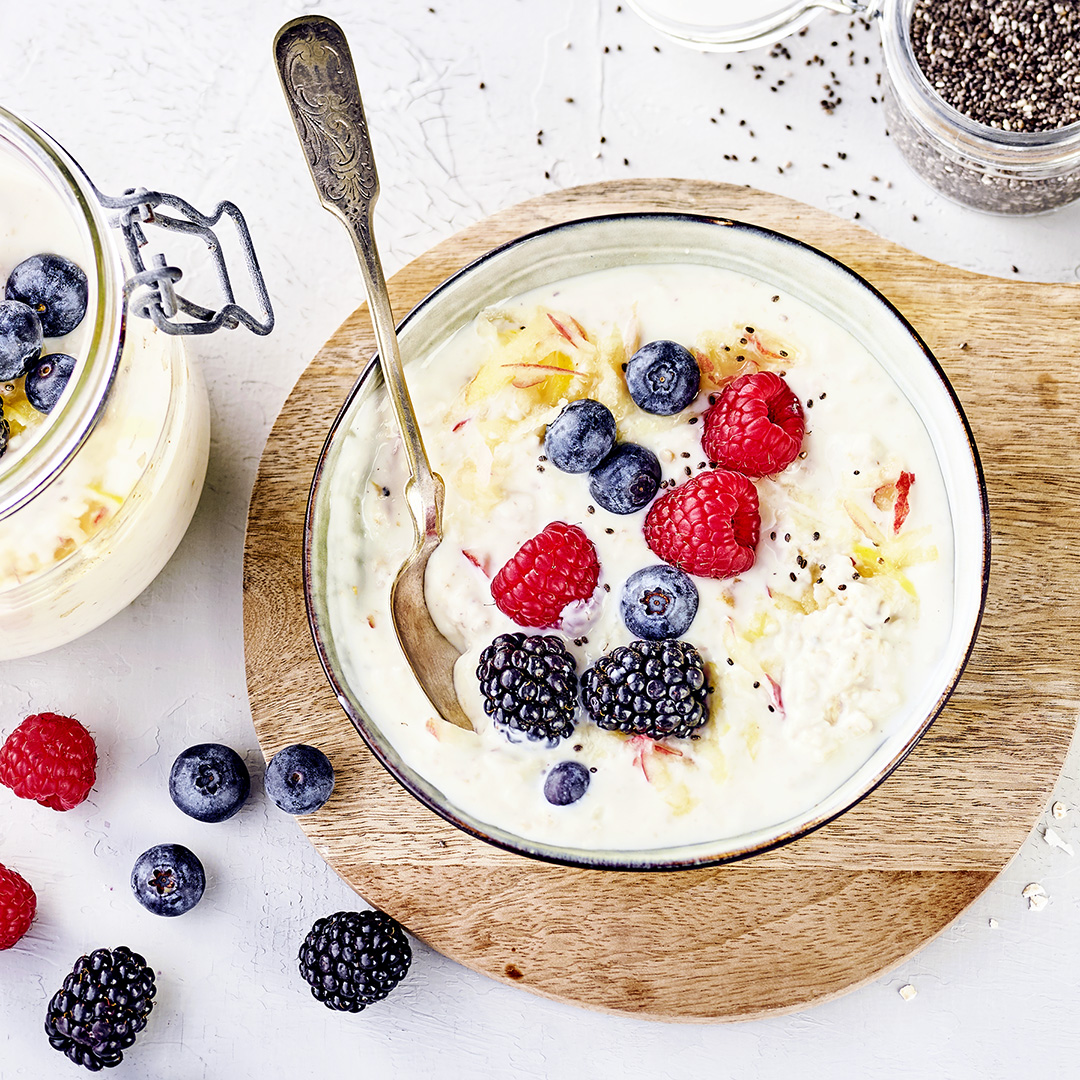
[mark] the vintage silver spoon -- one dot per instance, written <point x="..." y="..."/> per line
<point x="317" y="75"/>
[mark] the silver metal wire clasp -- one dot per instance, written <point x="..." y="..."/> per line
<point x="151" y="292"/>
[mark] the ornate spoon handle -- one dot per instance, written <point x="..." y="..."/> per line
<point x="319" y="81"/>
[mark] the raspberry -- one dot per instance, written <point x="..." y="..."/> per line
<point x="553" y="569"/>
<point x="708" y="526"/>
<point x="50" y="759"/>
<point x="755" y="427"/>
<point x="17" y="906"/>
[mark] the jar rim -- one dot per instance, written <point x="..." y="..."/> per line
<point x="1051" y="148"/>
<point x="83" y="400"/>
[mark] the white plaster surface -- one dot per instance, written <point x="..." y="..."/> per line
<point x="184" y="97"/>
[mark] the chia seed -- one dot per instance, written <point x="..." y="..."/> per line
<point x="1010" y="65"/>
<point x="1011" y="69"/>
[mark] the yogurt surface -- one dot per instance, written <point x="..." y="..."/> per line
<point x="812" y="654"/>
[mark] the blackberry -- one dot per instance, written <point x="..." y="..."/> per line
<point x="529" y="685"/>
<point x="654" y="688"/>
<point x="101" y="1007"/>
<point x="354" y="958"/>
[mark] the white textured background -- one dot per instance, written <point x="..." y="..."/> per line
<point x="184" y="97"/>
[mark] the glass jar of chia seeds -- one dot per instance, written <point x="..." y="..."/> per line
<point x="97" y="491"/>
<point x="986" y="167"/>
<point x="1026" y="166"/>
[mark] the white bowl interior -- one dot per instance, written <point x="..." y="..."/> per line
<point x="800" y="271"/>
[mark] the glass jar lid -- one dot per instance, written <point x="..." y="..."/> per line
<point x="737" y="25"/>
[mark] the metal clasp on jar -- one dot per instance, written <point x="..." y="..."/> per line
<point x="150" y="291"/>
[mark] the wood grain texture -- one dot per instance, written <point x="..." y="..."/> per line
<point x="806" y="922"/>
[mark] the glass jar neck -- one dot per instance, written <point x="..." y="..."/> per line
<point x="26" y="471"/>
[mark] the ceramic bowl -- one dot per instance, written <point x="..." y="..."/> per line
<point x="787" y="265"/>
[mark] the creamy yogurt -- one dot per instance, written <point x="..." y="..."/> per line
<point x="812" y="654"/>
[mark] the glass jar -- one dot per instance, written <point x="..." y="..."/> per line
<point x="96" y="494"/>
<point x="997" y="171"/>
<point x="1001" y="172"/>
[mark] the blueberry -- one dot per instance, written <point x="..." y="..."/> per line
<point x="168" y="879"/>
<point x="299" y="779"/>
<point x="580" y="437"/>
<point x="626" y="480"/>
<point x="54" y="287"/>
<point x="20" y="338"/>
<point x="663" y="378"/>
<point x="566" y="783"/>
<point x="209" y="782"/>
<point x="46" y="380"/>
<point x="659" y="602"/>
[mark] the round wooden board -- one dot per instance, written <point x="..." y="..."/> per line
<point x="792" y="927"/>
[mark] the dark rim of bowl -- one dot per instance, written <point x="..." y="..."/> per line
<point x="580" y="858"/>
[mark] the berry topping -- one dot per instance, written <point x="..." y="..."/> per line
<point x="659" y="602"/>
<point x="50" y="759"/>
<point x="54" y="287"/>
<point x="46" y="380"/>
<point x="168" y="879"/>
<point x="20" y="338"/>
<point x="299" y="779"/>
<point x="5" y="431"/>
<point x="580" y="437"/>
<point x="708" y="526"/>
<point x="556" y="567"/>
<point x="663" y="378"/>
<point x="101" y="1007"/>
<point x="209" y="782"/>
<point x="756" y="426"/>
<point x="17" y="906"/>
<point x="529" y="685"/>
<point x="566" y="783"/>
<point x="626" y="480"/>
<point x="354" y="958"/>
<point x="654" y="688"/>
